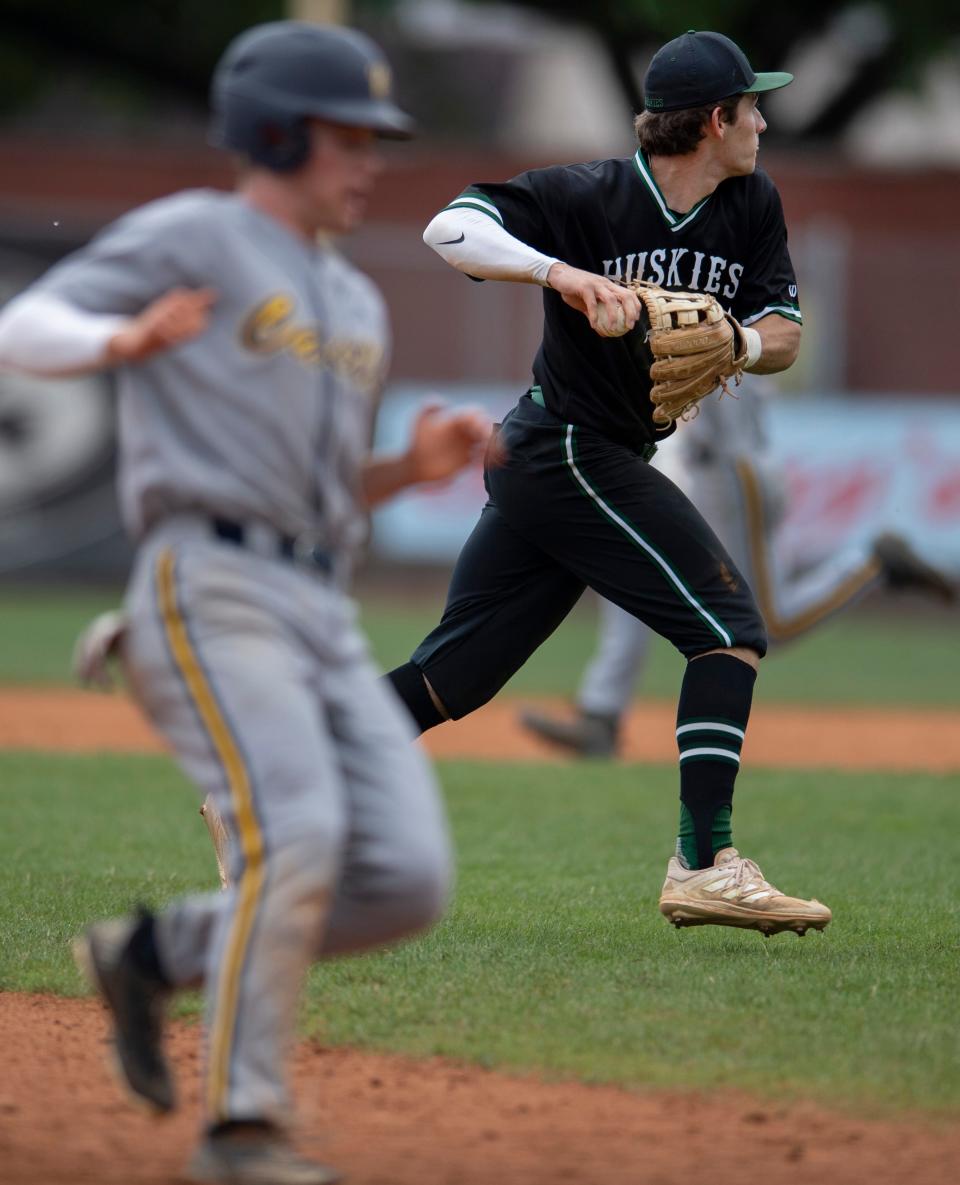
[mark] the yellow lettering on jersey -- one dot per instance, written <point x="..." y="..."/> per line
<point x="263" y="330"/>
<point x="270" y="328"/>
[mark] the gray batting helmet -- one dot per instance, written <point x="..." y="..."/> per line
<point x="274" y="76"/>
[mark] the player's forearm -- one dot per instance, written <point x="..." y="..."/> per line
<point x="442" y="442"/>
<point x="384" y="475"/>
<point x="477" y="245"/>
<point x="779" y="342"/>
<point x="43" y="335"/>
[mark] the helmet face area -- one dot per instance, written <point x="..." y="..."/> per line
<point x="274" y="77"/>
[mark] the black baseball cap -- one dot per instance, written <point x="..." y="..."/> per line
<point x="695" y="69"/>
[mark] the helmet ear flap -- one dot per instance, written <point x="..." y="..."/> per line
<point x="282" y="146"/>
<point x="276" y="141"/>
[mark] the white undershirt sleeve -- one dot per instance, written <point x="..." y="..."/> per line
<point x="43" y="335"/>
<point x="478" y="245"/>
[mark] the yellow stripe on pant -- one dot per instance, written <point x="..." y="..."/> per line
<point x="784" y="629"/>
<point x="224" y="1015"/>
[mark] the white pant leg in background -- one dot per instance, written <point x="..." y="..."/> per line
<point x="608" y="682"/>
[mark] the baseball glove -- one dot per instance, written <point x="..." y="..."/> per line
<point x="695" y="347"/>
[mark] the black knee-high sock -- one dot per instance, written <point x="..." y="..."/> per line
<point x="711" y="719"/>
<point x="407" y="682"/>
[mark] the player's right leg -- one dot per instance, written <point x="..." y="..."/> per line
<point x="211" y="659"/>
<point x="506" y="598"/>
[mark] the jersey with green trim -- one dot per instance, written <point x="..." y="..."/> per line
<point x="610" y="217"/>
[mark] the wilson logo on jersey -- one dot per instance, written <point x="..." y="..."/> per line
<point x="271" y="328"/>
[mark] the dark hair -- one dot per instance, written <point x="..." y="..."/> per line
<point x="675" y="133"/>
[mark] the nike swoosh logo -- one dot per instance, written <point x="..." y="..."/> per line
<point x="451" y="242"/>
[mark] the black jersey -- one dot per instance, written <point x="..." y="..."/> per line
<point x="610" y="218"/>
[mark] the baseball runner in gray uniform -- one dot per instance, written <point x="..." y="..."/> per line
<point x="723" y="461"/>
<point x="250" y="358"/>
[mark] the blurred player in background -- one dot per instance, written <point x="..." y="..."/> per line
<point x="723" y="461"/>
<point x="251" y="356"/>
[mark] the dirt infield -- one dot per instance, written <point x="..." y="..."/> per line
<point x="393" y="1121"/>
<point x="837" y="738"/>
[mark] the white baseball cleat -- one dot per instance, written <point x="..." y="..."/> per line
<point x="733" y="892"/>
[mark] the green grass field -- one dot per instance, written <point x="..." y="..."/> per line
<point x="553" y="956"/>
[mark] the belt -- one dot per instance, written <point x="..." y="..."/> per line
<point x="266" y="540"/>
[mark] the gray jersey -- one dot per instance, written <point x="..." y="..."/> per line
<point x="249" y="663"/>
<point x="295" y="328"/>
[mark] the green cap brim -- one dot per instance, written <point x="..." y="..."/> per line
<point x="771" y="81"/>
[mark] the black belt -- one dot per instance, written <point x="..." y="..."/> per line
<point x="298" y="549"/>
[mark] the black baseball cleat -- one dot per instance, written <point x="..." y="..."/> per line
<point x="904" y="569"/>
<point x="107" y="955"/>
<point x="587" y="734"/>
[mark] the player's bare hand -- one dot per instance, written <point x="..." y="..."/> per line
<point x="178" y="316"/>
<point x="444" y="441"/>
<point x="611" y="309"/>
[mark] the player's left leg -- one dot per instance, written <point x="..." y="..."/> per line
<point x="217" y="656"/>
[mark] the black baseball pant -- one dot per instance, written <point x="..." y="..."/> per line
<point x="570" y="509"/>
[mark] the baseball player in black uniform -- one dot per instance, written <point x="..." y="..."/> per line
<point x="574" y="503"/>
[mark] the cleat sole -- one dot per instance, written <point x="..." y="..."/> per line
<point x="682" y="918"/>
